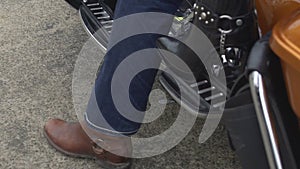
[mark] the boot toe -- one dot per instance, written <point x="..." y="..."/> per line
<point x="51" y="127"/>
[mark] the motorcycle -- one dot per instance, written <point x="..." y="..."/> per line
<point x="258" y="45"/>
<point x="98" y="16"/>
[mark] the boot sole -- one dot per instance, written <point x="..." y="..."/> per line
<point x="103" y="163"/>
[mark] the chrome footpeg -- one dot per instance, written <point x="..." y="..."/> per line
<point x="202" y="88"/>
<point x="97" y="19"/>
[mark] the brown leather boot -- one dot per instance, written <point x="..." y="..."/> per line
<point x="71" y="139"/>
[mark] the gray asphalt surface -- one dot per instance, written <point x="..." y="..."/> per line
<point x="39" y="44"/>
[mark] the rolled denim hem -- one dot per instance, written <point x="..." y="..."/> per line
<point x="105" y="130"/>
<point x="107" y="121"/>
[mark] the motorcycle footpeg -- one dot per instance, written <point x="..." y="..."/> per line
<point x="97" y="19"/>
<point x="192" y="91"/>
<point x="232" y="35"/>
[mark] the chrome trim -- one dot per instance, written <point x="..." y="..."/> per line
<point x="103" y="17"/>
<point x="107" y="22"/>
<point x="260" y="99"/>
<point x="108" y="27"/>
<point x="219" y="104"/>
<point x="100" y="13"/>
<point x="94" y="4"/>
<point x="181" y="102"/>
<point x="206" y="90"/>
<point x="214" y="96"/>
<point x="199" y="83"/>
<point x="103" y="48"/>
<point x="95" y="9"/>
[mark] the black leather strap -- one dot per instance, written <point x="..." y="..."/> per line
<point x="211" y="19"/>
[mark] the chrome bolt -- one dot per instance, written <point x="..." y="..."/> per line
<point x="203" y="15"/>
<point x="202" y="8"/>
<point x="206" y="22"/>
<point x="208" y="13"/>
<point x="239" y="22"/>
<point x="212" y="20"/>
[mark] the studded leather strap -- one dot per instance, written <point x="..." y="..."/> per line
<point x="222" y="22"/>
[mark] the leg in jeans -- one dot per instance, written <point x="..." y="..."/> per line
<point x="70" y="138"/>
<point x="101" y="112"/>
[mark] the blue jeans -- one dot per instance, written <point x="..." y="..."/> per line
<point x="102" y="113"/>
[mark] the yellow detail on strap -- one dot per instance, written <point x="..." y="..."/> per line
<point x="179" y="18"/>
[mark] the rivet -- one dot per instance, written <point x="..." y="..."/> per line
<point x="202" y="8"/>
<point x="239" y="22"/>
<point x="212" y="20"/>
<point x="200" y="18"/>
<point x="208" y="13"/>
<point x="203" y="15"/>
<point x="197" y="7"/>
<point x="196" y="13"/>
<point x="206" y="22"/>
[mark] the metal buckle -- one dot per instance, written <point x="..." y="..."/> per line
<point x="225" y="17"/>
